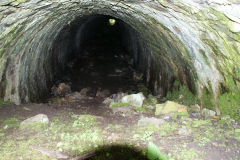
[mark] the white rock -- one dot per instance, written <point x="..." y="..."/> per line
<point x="135" y="100"/>
<point x="235" y="27"/>
<point x="5" y="127"/>
<point x="208" y="113"/>
<point x="40" y="118"/>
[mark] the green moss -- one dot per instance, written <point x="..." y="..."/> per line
<point x="229" y="104"/>
<point x="145" y="110"/>
<point x="55" y="100"/>
<point x="182" y="95"/>
<point x="142" y="88"/>
<point x="208" y="100"/>
<point x="183" y="115"/>
<point x="10" y="123"/>
<point x="2" y="103"/>
<point x="204" y="56"/>
<point x="150" y="101"/>
<point x="119" y="104"/>
<point x="201" y="123"/>
<point x="36" y="126"/>
<point x="188" y="154"/>
<point x="167" y="128"/>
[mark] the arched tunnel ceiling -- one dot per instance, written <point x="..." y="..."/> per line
<point x="195" y="42"/>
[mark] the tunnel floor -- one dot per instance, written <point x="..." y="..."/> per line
<point x="88" y="128"/>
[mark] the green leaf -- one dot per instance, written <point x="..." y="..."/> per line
<point x="153" y="153"/>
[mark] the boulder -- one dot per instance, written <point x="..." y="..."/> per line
<point x="169" y="107"/>
<point x="207" y="113"/>
<point x="40" y="118"/>
<point x="135" y="100"/>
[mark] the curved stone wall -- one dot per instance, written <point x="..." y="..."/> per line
<point x="192" y="41"/>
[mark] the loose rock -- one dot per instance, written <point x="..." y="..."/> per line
<point x="207" y="113"/>
<point x="117" y="97"/>
<point x="169" y="107"/>
<point x="40" y="118"/>
<point x="107" y="101"/>
<point x="135" y="100"/>
<point x="62" y="89"/>
<point x="84" y="91"/>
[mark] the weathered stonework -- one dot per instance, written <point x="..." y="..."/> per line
<point x="194" y="41"/>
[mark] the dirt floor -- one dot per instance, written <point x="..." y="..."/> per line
<point x="80" y="124"/>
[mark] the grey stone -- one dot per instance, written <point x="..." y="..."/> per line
<point x="195" y="115"/>
<point x="208" y="113"/>
<point x="117" y="97"/>
<point x="135" y="100"/>
<point x="184" y="131"/>
<point x="84" y="91"/>
<point x="40" y="118"/>
<point x="150" y="107"/>
<point x="195" y="108"/>
<point x="145" y="121"/>
<point x="107" y="101"/>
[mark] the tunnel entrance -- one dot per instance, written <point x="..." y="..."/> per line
<point x="100" y="56"/>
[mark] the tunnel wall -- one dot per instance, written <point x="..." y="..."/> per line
<point x="194" y="42"/>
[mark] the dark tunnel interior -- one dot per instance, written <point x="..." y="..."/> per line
<point x="100" y="52"/>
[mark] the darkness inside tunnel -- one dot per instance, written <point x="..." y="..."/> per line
<point x="92" y="52"/>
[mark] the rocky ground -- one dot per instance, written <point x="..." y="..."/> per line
<point x="103" y="111"/>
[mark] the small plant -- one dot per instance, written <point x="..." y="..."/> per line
<point x="153" y="152"/>
<point x="181" y="94"/>
<point x="167" y="128"/>
<point x="150" y="101"/>
<point x="11" y="122"/>
<point x="229" y="104"/>
<point x="2" y="102"/>
<point x="142" y="88"/>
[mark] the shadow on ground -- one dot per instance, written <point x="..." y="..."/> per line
<point x="114" y="152"/>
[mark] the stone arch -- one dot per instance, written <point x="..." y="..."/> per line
<point x="177" y="45"/>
